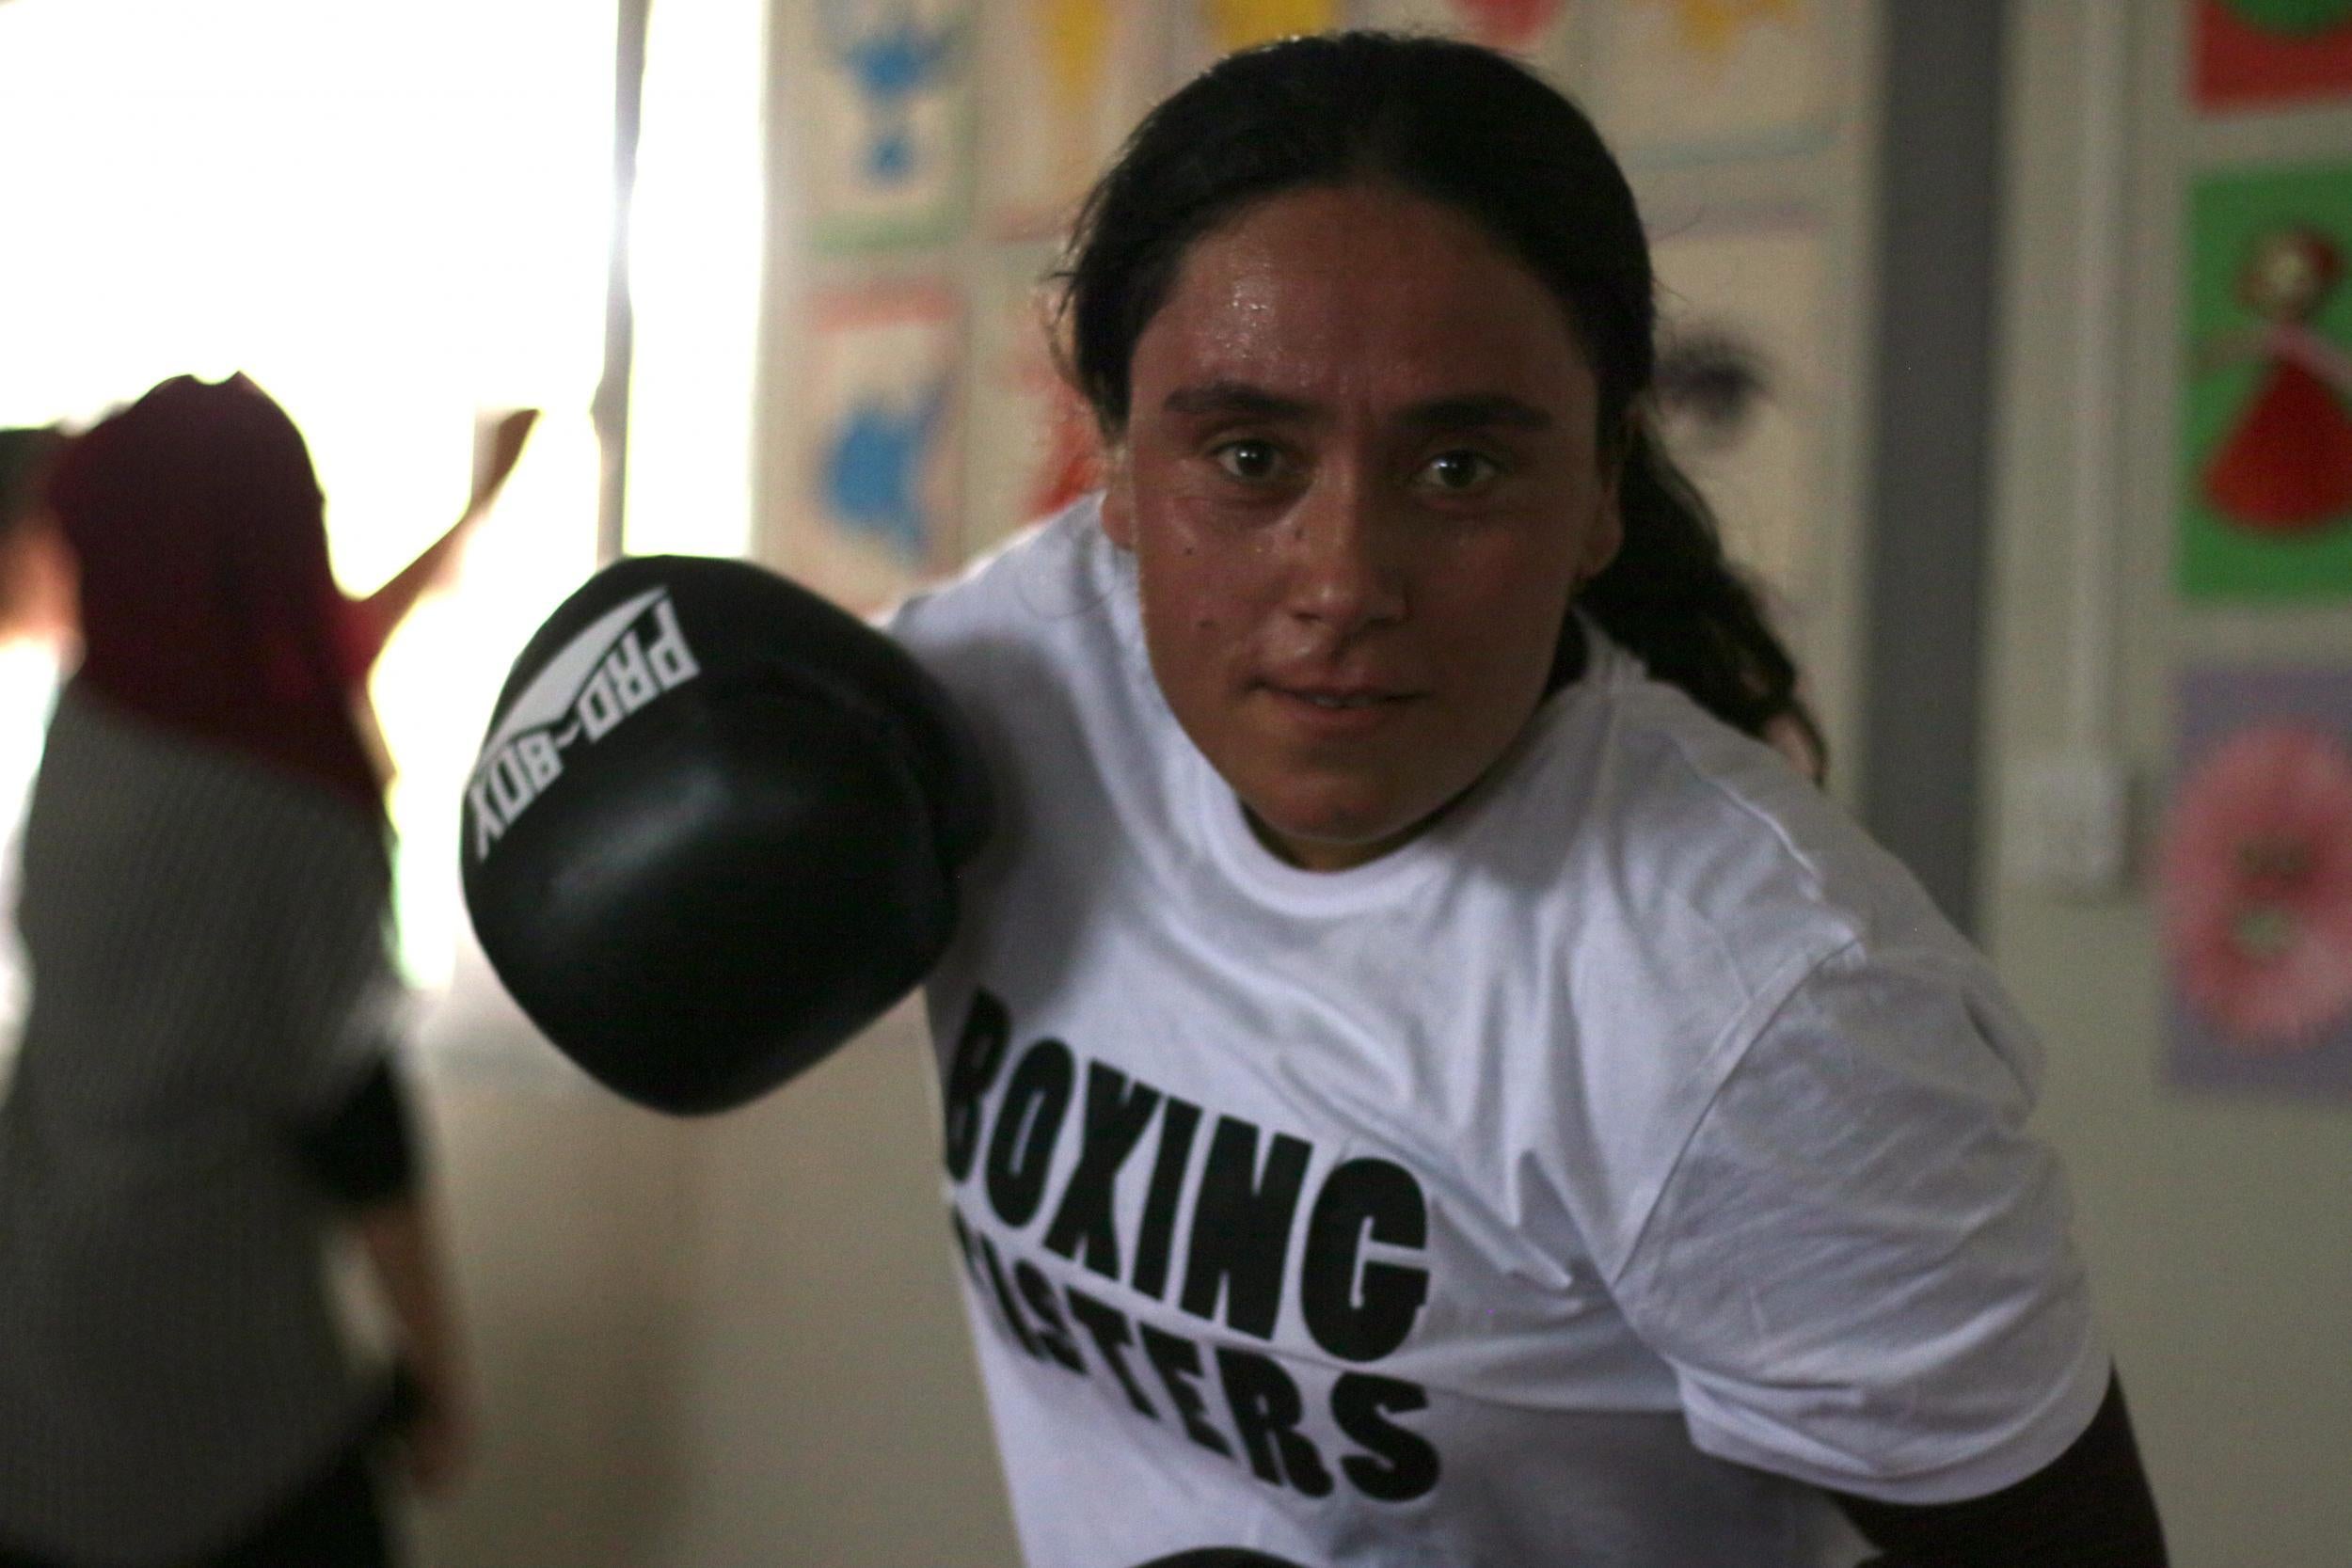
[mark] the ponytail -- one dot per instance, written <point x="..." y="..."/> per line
<point x="1673" y="598"/>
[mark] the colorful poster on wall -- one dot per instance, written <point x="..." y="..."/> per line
<point x="1740" y="389"/>
<point x="1692" y="79"/>
<point x="883" y="370"/>
<point x="879" y="106"/>
<point x="1063" y="82"/>
<point x="2250" y="54"/>
<point x="2266" y="509"/>
<point x="2255" y="881"/>
<point x="1532" y="28"/>
<point x="1033" y="445"/>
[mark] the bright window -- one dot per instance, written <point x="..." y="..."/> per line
<point x="696" y="248"/>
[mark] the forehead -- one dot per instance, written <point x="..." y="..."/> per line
<point x="1359" y="291"/>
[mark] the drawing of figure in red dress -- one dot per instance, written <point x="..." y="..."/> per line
<point x="2286" y="468"/>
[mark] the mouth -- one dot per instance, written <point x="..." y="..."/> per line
<point x="1340" y="699"/>
<point x="1325" y="708"/>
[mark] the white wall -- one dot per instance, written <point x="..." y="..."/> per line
<point x="566" y="1216"/>
<point x="830" y="1409"/>
<point x="2218" y="1229"/>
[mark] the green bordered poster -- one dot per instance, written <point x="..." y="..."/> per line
<point x="2266" y="465"/>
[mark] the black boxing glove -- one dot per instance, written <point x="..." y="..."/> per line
<point x="714" y="829"/>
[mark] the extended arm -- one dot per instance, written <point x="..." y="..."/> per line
<point x="382" y="610"/>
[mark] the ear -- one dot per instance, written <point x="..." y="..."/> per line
<point x="1118" y="500"/>
<point x="1608" y="532"/>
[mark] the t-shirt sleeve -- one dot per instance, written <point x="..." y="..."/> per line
<point x="1859" y="1267"/>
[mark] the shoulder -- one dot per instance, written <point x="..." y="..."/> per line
<point x="1055" y="580"/>
<point x="1707" y="848"/>
<point x="1699" y="884"/>
<point x="1706" y="853"/>
<point x="111" y="777"/>
<point x="1040" y="646"/>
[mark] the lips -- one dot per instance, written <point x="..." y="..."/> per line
<point x="1339" y="697"/>
<point x="1337" y="707"/>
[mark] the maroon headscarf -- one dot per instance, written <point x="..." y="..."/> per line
<point x="207" y="603"/>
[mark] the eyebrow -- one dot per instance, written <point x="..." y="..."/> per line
<point x="1472" y="412"/>
<point x="1233" y="397"/>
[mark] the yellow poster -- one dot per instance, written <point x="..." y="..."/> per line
<point x="1238" y="23"/>
<point x="1715" y="77"/>
<point x="1063" y="82"/>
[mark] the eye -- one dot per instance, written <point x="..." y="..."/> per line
<point x="1458" y="472"/>
<point x="1251" y="462"/>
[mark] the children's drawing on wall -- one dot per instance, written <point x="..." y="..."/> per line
<point x="883" y="388"/>
<point x="886" y="130"/>
<point x="2266" y="506"/>
<point x="2284" y="467"/>
<point x="1532" y="28"/>
<point x="2255" y="881"/>
<point x="1065" y="82"/>
<point x="1034" y="448"/>
<point x="1739" y="389"/>
<point x="2253" y="53"/>
<point x="1686" y="79"/>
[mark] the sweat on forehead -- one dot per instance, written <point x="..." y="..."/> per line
<point x="1351" y="293"/>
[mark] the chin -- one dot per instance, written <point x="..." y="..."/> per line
<point x="1350" y="832"/>
<point x="1315" y="815"/>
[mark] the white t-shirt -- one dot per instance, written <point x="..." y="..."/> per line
<point x="1585" y="1183"/>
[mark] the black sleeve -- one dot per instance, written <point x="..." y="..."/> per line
<point x="364" y="1152"/>
<point x="2090" y="1508"/>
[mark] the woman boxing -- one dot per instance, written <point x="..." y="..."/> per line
<point x="1423" y="1085"/>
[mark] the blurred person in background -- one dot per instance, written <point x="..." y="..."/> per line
<point x="205" y="1095"/>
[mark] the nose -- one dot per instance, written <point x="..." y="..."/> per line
<point x="1345" y="568"/>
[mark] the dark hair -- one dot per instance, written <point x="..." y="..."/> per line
<point x="1473" y="130"/>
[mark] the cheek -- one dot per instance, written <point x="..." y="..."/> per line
<point x="1505" y="671"/>
<point x="1503" y="613"/>
<point x="1195" y="590"/>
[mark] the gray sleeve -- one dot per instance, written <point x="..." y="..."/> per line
<point x="340" y="1002"/>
